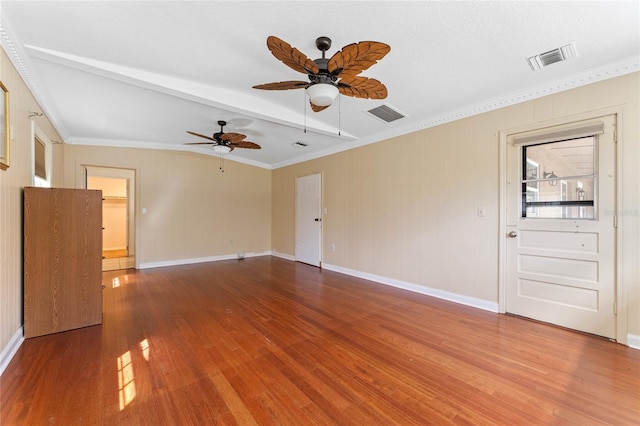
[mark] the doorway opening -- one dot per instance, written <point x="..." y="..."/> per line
<point x="118" y="242"/>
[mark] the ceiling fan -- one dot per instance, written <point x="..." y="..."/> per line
<point x="222" y="142"/>
<point x="328" y="77"/>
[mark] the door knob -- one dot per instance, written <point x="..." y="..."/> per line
<point x="512" y="234"/>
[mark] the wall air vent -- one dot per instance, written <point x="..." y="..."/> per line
<point x="386" y="113"/>
<point x="560" y="54"/>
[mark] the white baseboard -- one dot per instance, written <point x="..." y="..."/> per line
<point x="283" y="256"/>
<point x="10" y="350"/>
<point x="178" y="262"/>
<point x="440" y="294"/>
<point x="633" y="341"/>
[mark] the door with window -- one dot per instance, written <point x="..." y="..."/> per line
<point x="560" y="247"/>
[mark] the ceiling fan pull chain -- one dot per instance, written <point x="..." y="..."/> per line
<point x="304" y="106"/>
<point x="339" y="114"/>
<point x="221" y="164"/>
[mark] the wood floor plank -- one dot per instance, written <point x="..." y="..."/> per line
<point x="266" y="341"/>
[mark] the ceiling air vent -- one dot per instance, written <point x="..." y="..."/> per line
<point x="300" y="144"/>
<point x="386" y="113"/>
<point x="560" y="54"/>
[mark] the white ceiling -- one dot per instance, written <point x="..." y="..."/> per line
<point x="140" y="74"/>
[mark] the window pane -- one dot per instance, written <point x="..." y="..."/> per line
<point x="565" y="158"/>
<point x="559" y="179"/>
<point x="39" y="159"/>
<point x="576" y="189"/>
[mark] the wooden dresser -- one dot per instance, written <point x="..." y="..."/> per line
<point x="62" y="259"/>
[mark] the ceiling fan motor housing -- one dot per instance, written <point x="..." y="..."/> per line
<point x="323" y="86"/>
<point x="219" y="134"/>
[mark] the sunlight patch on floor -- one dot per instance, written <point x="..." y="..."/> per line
<point x="144" y="345"/>
<point x="118" y="281"/>
<point x="126" y="382"/>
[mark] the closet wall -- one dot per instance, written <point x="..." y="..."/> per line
<point x="114" y="211"/>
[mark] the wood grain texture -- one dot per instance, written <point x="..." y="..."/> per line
<point x="268" y="341"/>
<point x="357" y="57"/>
<point x="62" y="259"/>
<point x="291" y="56"/>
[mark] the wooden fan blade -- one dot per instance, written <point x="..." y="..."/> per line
<point x="362" y="87"/>
<point x="202" y="136"/>
<point x="316" y="108"/>
<point x="245" y="144"/>
<point x="357" y="57"/>
<point x="199" y="143"/>
<point x="291" y="56"/>
<point x="283" y="85"/>
<point x="232" y="137"/>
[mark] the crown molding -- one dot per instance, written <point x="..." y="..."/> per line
<point x="594" y="75"/>
<point x="23" y="65"/>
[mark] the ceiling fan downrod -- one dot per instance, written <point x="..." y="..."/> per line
<point x="323" y="43"/>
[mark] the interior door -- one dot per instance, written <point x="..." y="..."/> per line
<point x="308" y="219"/>
<point x="560" y="247"/>
<point x="62" y="259"/>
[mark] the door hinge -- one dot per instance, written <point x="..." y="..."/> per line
<point x="615" y="221"/>
<point x="615" y="133"/>
<point x="615" y="308"/>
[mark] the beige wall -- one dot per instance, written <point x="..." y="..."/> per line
<point x="114" y="221"/>
<point x="193" y="210"/>
<point x="11" y="183"/>
<point x="406" y="208"/>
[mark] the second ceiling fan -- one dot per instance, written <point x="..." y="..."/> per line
<point x="224" y="142"/>
<point x="330" y="76"/>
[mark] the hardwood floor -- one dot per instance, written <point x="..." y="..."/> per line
<point x="268" y="341"/>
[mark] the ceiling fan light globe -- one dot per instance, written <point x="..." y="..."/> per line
<point x="322" y="94"/>
<point x="221" y="149"/>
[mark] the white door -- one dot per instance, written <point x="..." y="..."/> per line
<point x="560" y="247"/>
<point x="308" y="219"/>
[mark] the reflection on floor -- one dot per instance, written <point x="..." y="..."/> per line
<point x="118" y="263"/>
